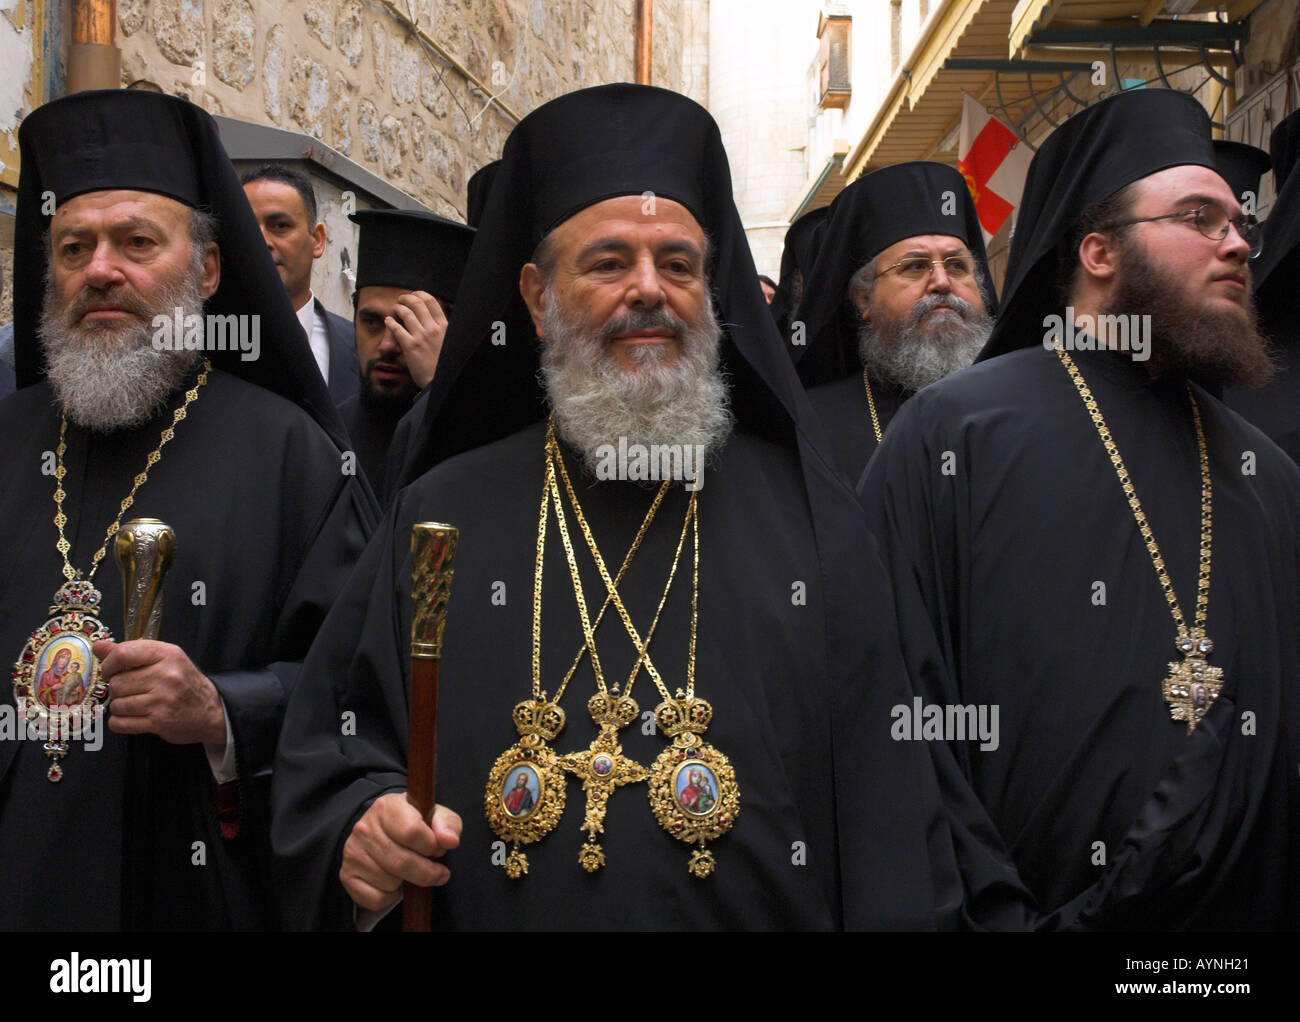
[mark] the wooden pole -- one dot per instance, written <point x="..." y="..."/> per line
<point x="433" y="550"/>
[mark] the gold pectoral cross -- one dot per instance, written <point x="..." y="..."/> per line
<point x="602" y="767"/>
<point x="1191" y="688"/>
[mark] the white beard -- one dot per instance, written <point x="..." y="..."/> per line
<point x="910" y="356"/>
<point x="596" y="403"/>
<point x="110" y="377"/>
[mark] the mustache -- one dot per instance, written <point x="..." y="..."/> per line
<point x="394" y="366"/>
<point x="643" y="319"/>
<point x="122" y="295"/>
<point x="926" y="304"/>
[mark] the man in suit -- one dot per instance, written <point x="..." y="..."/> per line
<point x="285" y="205"/>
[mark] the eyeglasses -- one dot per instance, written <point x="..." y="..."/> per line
<point x="917" y="268"/>
<point x="1212" y="222"/>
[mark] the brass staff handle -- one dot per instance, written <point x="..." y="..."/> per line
<point x="433" y="551"/>
<point x="144" y="548"/>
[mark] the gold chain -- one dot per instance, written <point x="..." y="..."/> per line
<point x="60" y="519"/>
<point x="871" y="405"/>
<point x="1166" y="584"/>
<point x="550" y="494"/>
<point x="692" y="519"/>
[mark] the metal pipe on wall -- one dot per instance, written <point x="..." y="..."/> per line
<point x="94" y="60"/>
<point x="644" y="38"/>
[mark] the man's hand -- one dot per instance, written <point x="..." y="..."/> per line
<point x="154" y="688"/>
<point x="419" y="326"/>
<point x="391" y="844"/>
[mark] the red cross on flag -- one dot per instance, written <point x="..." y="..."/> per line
<point x="994" y="164"/>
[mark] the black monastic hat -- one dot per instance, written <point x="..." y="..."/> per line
<point x="1284" y="147"/>
<point x="476" y="191"/>
<point x="797" y="257"/>
<point x="1241" y="165"/>
<point x="413" y="250"/>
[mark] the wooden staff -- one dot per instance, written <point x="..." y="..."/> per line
<point x="144" y="549"/>
<point x="433" y="549"/>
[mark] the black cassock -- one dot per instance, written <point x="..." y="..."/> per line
<point x="995" y="493"/>
<point x="371" y="432"/>
<point x="267" y="527"/>
<point x="846" y="418"/>
<point x="761" y="663"/>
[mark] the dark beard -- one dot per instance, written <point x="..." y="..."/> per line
<point x="386" y="403"/>
<point x="1217" y="347"/>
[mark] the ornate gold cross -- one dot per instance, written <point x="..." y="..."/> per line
<point x="602" y="768"/>
<point x="1191" y="689"/>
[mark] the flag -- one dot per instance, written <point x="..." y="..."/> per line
<point x="994" y="163"/>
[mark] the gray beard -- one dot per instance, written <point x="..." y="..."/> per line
<point x="110" y="377"/>
<point x="596" y="403"/>
<point x="910" y="356"/>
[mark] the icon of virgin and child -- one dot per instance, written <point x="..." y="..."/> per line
<point x="62" y="682"/>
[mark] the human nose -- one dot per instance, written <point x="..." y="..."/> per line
<point x="938" y="279"/>
<point x="103" y="271"/>
<point x="1234" y="244"/>
<point x="644" y="286"/>
<point x="388" y="345"/>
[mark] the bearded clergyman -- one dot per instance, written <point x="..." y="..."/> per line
<point x="898" y="298"/>
<point x="408" y="269"/>
<point x="132" y="226"/>
<point x="670" y="650"/>
<point x="1107" y="552"/>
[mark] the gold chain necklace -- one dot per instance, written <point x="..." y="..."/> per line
<point x="602" y="766"/>
<point x="693" y="790"/>
<point x="57" y="677"/>
<point x="1193" y="685"/>
<point x="525" y="794"/>
<point x="871" y="405"/>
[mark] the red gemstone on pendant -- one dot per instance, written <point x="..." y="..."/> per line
<point x="87" y="627"/>
<point x="28" y="655"/>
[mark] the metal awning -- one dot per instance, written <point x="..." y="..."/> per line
<point x="822" y="189"/>
<point x="1032" y="17"/>
<point x="1018" y="59"/>
<point x="923" y="104"/>
<point x="246" y="140"/>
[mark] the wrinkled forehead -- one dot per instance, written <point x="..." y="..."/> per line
<point x="120" y="205"/>
<point x="935" y="246"/>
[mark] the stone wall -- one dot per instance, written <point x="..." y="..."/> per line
<point x="366" y="79"/>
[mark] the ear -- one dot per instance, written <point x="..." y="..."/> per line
<point x="1099" y="256"/>
<point x="211" y="271"/>
<point x="318" y="241"/>
<point x="862" y="302"/>
<point x="532" y="287"/>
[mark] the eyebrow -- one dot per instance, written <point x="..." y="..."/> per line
<point x="131" y="223"/>
<point x="1201" y="199"/>
<point x="623" y="247"/>
<point x="948" y="253"/>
